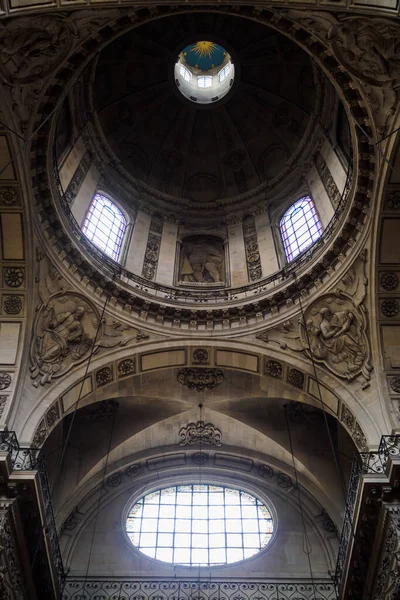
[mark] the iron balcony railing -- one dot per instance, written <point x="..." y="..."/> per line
<point x="31" y="459"/>
<point x="364" y="463"/>
<point x="91" y="589"/>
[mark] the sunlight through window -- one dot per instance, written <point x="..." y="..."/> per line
<point x="300" y="227"/>
<point x="105" y="226"/>
<point x="199" y="525"/>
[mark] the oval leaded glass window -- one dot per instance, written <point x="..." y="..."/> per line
<point x="199" y="525"/>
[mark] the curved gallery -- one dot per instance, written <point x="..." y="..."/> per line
<point x="229" y="171"/>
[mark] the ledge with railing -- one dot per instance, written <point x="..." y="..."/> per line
<point x="365" y="463"/>
<point x="91" y="589"/>
<point x="114" y="270"/>
<point x="31" y="459"/>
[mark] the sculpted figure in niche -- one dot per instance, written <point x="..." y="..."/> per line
<point x="202" y="260"/>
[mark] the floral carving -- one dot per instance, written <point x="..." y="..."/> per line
<point x="273" y="368"/>
<point x="104" y="376"/>
<point x="5" y="380"/>
<point x="3" y="402"/>
<point x="152" y="248"/>
<point x="296" y="378"/>
<point x="284" y="481"/>
<point x="200" y="379"/>
<point x="393" y="200"/>
<point x="252" y="251"/>
<point x="52" y="415"/>
<point x="200" y="355"/>
<point x="114" y="480"/>
<point x="12" y="305"/>
<point x="40" y="435"/>
<point x="353" y="426"/>
<point x="390" y="307"/>
<point x="348" y="418"/>
<point x="395" y="384"/>
<point x="200" y="433"/>
<point x="200" y="458"/>
<point x="389" y="281"/>
<point x="126" y="367"/>
<point x="133" y="470"/>
<point x="8" y="195"/>
<point x="266" y="471"/>
<point x="13" y="276"/>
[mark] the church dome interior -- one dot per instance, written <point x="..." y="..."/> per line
<point x="199" y="301"/>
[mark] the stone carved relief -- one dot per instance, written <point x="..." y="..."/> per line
<point x="334" y="328"/>
<point x="14" y="276"/>
<point x="34" y="47"/>
<point x="3" y="402"/>
<point x="388" y="580"/>
<point x="68" y="327"/>
<point x="78" y="177"/>
<point x="327" y="179"/>
<point x="253" y="259"/>
<point x="200" y="433"/>
<point x="12" y="305"/>
<point x="202" y="260"/>
<point x="389" y="281"/>
<point x="152" y="249"/>
<point x="64" y="335"/>
<point x="368" y="48"/>
<point x="8" y="195"/>
<point x="200" y="379"/>
<point x="354" y="428"/>
<point x="5" y="380"/>
<point x="11" y="579"/>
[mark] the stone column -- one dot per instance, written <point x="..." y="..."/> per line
<point x="138" y="243"/>
<point x="166" y="261"/>
<point x="85" y="195"/>
<point x="71" y="163"/>
<point x="319" y="195"/>
<point x="266" y="245"/>
<point x="237" y="255"/>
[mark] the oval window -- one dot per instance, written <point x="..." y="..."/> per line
<point x="199" y="525"/>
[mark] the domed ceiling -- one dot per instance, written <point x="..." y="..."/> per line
<point x="220" y="151"/>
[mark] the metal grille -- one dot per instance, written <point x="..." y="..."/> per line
<point x="197" y="590"/>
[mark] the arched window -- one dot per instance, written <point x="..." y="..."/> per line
<point x="201" y="525"/>
<point x="300" y="227"/>
<point x="105" y="225"/>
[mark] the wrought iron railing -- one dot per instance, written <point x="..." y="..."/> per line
<point x="114" y="270"/>
<point x="198" y="590"/>
<point x="365" y="463"/>
<point x="31" y="459"/>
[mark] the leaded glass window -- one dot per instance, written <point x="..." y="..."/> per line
<point x="224" y="72"/>
<point x="205" y="81"/>
<point x="186" y="74"/>
<point x="105" y="225"/>
<point x="199" y="525"/>
<point x="300" y="227"/>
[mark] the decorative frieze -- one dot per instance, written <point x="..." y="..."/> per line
<point x="12" y="305"/>
<point x="273" y="368"/>
<point x="389" y="281"/>
<point x="200" y="433"/>
<point x="253" y="260"/>
<point x="5" y="380"/>
<point x="199" y="379"/>
<point x="152" y="249"/>
<point x="327" y="179"/>
<point x="349" y="420"/>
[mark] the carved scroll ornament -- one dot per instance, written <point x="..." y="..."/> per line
<point x="200" y="433"/>
<point x="199" y="379"/>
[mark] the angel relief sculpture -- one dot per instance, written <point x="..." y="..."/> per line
<point x="67" y="329"/>
<point x="333" y="329"/>
<point x="335" y="337"/>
